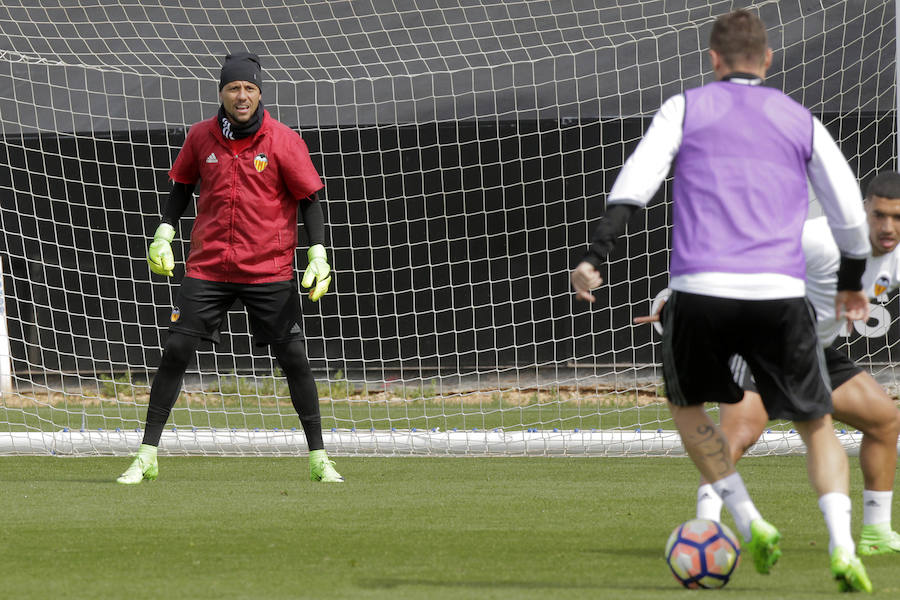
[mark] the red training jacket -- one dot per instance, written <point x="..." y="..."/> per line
<point x="246" y="225"/>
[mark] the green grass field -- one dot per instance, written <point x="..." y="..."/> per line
<point x="251" y="413"/>
<point x="399" y="528"/>
<point x="485" y="411"/>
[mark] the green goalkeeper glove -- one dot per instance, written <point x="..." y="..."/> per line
<point x="317" y="272"/>
<point x="159" y="255"/>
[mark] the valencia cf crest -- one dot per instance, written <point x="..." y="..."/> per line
<point x="176" y="313"/>
<point x="260" y="161"/>
<point x="882" y="284"/>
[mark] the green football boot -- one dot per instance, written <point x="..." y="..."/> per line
<point x="144" y="466"/>
<point x="763" y="545"/>
<point x="878" y="539"/>
<point x="849" y="571"/>
<point x="321" y="468"/>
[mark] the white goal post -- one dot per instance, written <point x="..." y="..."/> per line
<point x="466" y="150"/>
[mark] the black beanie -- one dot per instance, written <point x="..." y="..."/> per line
<point x="241" y="66"/>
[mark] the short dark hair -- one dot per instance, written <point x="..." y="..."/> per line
<point x="739" y="37"/>
<point x="885" y="185"/>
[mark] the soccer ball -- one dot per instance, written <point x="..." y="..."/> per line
<point x="702" y="554"/>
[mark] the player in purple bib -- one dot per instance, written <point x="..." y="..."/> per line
<point x="742" y="154"/>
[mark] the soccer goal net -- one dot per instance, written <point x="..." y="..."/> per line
<point x="466" y="149"/>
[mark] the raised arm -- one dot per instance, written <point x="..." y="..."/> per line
<point x="637" y="182"/>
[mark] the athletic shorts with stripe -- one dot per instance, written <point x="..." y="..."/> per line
<point x="777" y="338"/>
<point x="840" y="370"/>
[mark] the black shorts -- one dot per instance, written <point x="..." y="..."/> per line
<point x="273" y="309"/>
<point x="776" y="337"/>
<point x="840" y="370"/>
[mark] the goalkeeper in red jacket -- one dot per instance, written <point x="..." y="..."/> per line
<point x="256" y="174"/>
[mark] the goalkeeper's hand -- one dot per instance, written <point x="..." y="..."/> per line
<point x="159" y="255"/>
<point x="317" y="272"/>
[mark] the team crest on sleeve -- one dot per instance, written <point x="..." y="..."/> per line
<point x="176" y="314"/>
<point x="260" y="161"/>
<point x="882" y="284"/>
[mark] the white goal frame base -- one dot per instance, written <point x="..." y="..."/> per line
<point x="237" y="442"/>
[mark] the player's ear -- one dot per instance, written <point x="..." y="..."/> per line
<point x="767" y="62"/>
<point x="716" y="59"/>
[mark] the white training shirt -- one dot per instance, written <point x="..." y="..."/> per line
<point x="829" y="174"/>
<point x="822" y="259"/>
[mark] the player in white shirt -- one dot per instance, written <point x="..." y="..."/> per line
<point x="859" y="400"/>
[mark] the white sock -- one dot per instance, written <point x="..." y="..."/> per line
<point x="877" y="507"/>
<point x="709" y="505"/>
<point x="733" y="493"/>
<point x="835" y="507"/>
